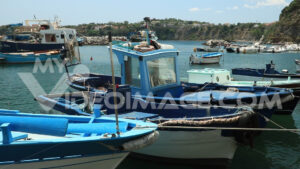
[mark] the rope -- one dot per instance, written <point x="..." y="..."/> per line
<point x="222" y="128"/>
<point x="197" y="123"/>
<point x="230" y="128"/>
<point x="273" y="122"/>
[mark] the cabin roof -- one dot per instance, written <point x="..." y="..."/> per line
<point x="129" y="52"/>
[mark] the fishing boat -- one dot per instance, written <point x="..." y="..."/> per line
<point x="37" y="35"/>
<point x="268" y="72"/>
<point x="59" y="141"/>
<point x="177" y="144"/>
<point x="28" y="57"/>
<point x="208" y="58"/>
<point x="223" y="77"/>
<point x="155" y="72"/>
<point x="275" y="49"/>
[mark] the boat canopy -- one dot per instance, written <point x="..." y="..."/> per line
<point x="148" y="71"/>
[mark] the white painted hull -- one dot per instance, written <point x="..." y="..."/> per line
<point x="202" y="60"/>
<point x="191" y="145"/>
<point x="109" y="161"/>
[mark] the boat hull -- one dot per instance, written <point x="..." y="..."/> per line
<point x="26" y="58"/>
<point x="12" y="46"/>
<point x="261" y="73"/>
<point x="203" y="148"/>
<point x="109" y="161"/>
<point x="205" y="60"/>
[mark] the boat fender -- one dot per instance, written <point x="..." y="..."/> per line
<point x="141" y="142"/>
<point x="247" y="120"/>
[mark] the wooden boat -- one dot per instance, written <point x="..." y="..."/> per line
<point x="223" y="77"/>
<point x="28" y="57"/>
<point x="58" y="141"/>
<point x="208" y="58"/>
<point x="268" y="72"/>
<point x="175" y="145"/>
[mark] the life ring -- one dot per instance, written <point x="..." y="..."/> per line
<point x="141" y="48"/>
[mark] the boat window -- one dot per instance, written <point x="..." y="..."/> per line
<point x="132" y="72"/>
<point x="50" y="37"/>
<point x="70" y="36"/>
<point x="161" y="71"/>
<point x="62" y="36"/>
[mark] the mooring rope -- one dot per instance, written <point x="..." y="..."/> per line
<point x="222" y="128"/>
<point x="229" y="128"/>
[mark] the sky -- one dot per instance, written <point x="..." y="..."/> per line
<point x="73" y="12"/>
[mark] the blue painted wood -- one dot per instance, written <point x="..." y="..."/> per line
<point x="49" y="126"/>
<point x="29" y="58"/>
<point x="96" y="128"/>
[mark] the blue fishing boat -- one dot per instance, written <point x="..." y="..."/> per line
<point x="207" y="58"/>
<point x="28" y="57"/>
<point x="268" y="72"/>
<point x="156" y="73"/>
<point x="59" y="141"/>
<point x="176" y="144"/>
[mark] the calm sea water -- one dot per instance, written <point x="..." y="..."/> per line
<point x="272" y="150"/>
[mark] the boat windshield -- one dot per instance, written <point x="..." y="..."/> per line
<point x="161" y="71"/>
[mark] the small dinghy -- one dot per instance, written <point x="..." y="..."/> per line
<point x="56" y="141"/>
<point x="208" y="58"/>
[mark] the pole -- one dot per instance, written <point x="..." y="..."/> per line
<point x="113" y="82"/>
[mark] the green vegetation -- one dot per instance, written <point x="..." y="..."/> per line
<point x="285" y="30"/>
<point x="288" y="26"/>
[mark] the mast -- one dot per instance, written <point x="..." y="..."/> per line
<point x="147" y="21"/>
<point x="113" y="83"/>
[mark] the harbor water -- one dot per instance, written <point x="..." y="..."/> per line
<point x="19" y="83"/>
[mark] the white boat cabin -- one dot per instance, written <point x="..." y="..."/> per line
<point x="200" y="76"/>
<point x="48" y="33"/>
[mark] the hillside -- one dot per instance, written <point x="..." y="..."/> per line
<point x="285" y="30"/>
<point x="288" y="26"/>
